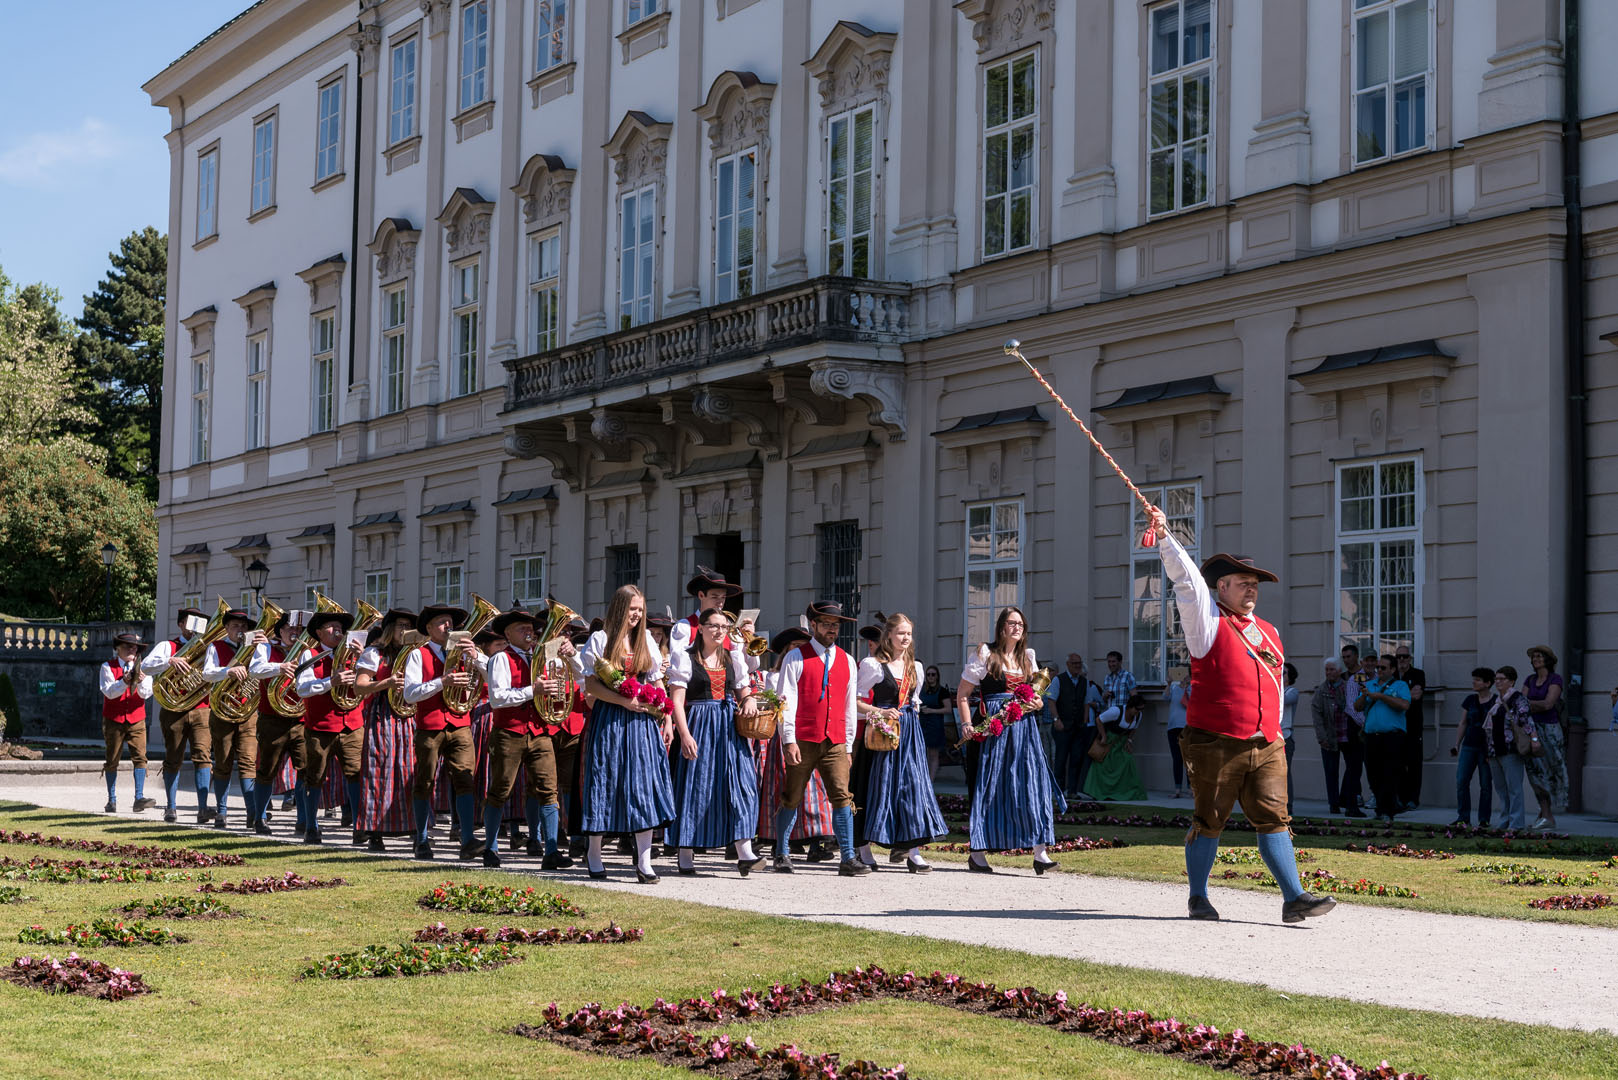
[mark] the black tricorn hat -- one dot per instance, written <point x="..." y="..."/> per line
<point x="433" y="611"/>
<point x="319" y="618"/>
<point x="709" y="579"/>
<point x="659" y="622"/>
<point x="826" y="609"/>
<point x="787" y="639"/>
<point x="1218" y="566"/>
<point x="508" y="618"/>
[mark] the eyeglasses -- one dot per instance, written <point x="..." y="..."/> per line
<point x="716" y="626"/>
<point x="1384" y="667"/>
<point x="1401" y="656"/>
<point x="1013" y="623"/>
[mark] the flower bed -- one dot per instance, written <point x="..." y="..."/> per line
<point x="53" y="872"/>
<point x="664" y="1029"/>
<point x="145" y="855"/>
<point x="611" y="934"/>
<point x="418" y="958"/>
<point x="1576" y="902"/>
<point x="1611" y="863"/>
<point x="1327" y="882"/>
<point x="1400" y="851"/>
<point x="1246" y="856"/>
<point x="76" y="975"/>
<point x="961" y="806"/>
<point x="10" y="894"/>
<point x="1072" y="843"/>
<point x="1499" y="868"/>
<point x="498" y="900"/>
<point x="288" y="882"/>
<point x="180" y="907"/>
<point x="1551" y="877"/>
<point x="100" y="932"/>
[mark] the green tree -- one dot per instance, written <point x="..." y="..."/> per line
<point x="120" y="357"/>
<point x="38" y="384"/>
<point x="56" y="512"/>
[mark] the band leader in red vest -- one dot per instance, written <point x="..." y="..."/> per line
<point x="181" y="729"/>
<point x="280" y="738"/>
<point x="124" y="692"/>
<point x="390" y="751"/>
<point x="327" y="726"/>
<point x="818" y="721"/>
<point x="440" y="732"/>
<point x="234" y="742"/>
<point x="1232" y="741"/>
<point x="711" y="590"/>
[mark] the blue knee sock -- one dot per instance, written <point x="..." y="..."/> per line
<point x="221" y="789"/>
<point x="304" y="800"/>
<point x="249" y="796"/>
<point x="352" y="787"/>
<point x="784" y="820"/>
<point x="1199" y="861"/>
<point x="171" y="788"/>
<point x="532" y="814"/>
<point x="204" y="782"/>
<point x="466" y="812"/>
<point x="550" y="817"/>
<point x="843" y="823"/>
<point x="140" y="784"/>
<point x="491" y="825"/>
<point x="112" y="786"/>
<point x="1275" y="849"/>
<point x="422" y="810"/>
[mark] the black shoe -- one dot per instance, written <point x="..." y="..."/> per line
<point x="470" y="851"/>
<point x="312" y="836"/>
<point x="1042" y="865"/>
<point x="424" y="851"/>
<point x="820" y="853"/>
<point x="1355" y="811"/>
<point x="348" y="816"/>
<point x="558" y="861"/>
<point x="852" y="868"/>
<point x="357" y="839"/>
<point x="918" y="867"/>
<point x="517" y="839"/>
<point x="534" y="847"/>
<point x="746" y="866"/>
<point x="1334" y="811"/>
<point x="171" y="815"/>
<point x="577" y="847"/>
<point x="204" y="816"/>
<point x="730" y="852"/>
<point x="782" y="863"/>
<point x="598" y="875"/>
<point x="219" y="821"/>
<point x="1200" y="909"/>
<point x="143" y="804"/>
<point x="898" y="855"/>
<point x="375" y="843"/>
<point x="645" y="879"/>
<point x="262" y="828"/>
<point x="491" y="858"/>
<point x="1306" y="906"/>
<point x="299" y="830"/>
<point x="687" y="871"/>
<point x="977" y="867"/>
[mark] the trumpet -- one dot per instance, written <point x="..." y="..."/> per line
<point x="752" y="644"/>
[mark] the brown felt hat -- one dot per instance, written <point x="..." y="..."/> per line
<point x="1220" y="565"/>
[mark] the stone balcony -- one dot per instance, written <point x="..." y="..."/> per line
<point x="808" y="348"/>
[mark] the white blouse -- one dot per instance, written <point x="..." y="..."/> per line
<point x="977" y="666"/>
<point x="680" y="669"/>
<point x="596" y="648"/>
<point x="871" y="674"/>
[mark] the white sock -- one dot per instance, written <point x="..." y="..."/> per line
<point x="643" y="851"/>
<point x="865" y="855"/>
<point x="978" y="858"/>
<point x="744" y="851"/>
<point x="593" y="859"/>
<point x="687" y="858"/>
<point x="1039" y="853"/>
<point x="914" y="855"/>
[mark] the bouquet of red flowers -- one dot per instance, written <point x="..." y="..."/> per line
<point x="1025" y="700"/>
<point x="632" y="688"/>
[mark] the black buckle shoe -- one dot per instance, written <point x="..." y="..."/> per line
<point x="312" y="836"/>
<point x="374" y="844"/>
<point x="782" y="864"/>
<point x="424" y="851"/>
<point x="261" y="828"/>
<point x="559" y="861"/>
<point x="819" y="853"/>
<point x="1199" y="908"/>
<point x="746" y="866"/>
<point x="491" y="858"/>
<point x="535" y="848"/>
<point x="852" y="868"/>
<point x="1306" y="906"/>
<point x="471" y="851"/>
<point x="143" y="804"/>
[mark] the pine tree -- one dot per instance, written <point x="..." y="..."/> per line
<point x="120" y="357"/>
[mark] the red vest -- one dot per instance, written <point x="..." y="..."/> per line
<point x="321" y="712"/>
<point x="1233" y="692"/>
<point x="431" y="715"/>
<point x="176" y="642"/>
<point x="820" y="711"/>
<point x="129" y="707"/>
<point x="224" y="652"/>
<point x="522" y="719"/>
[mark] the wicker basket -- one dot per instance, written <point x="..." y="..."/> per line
<point x="761" y="726"/>
<point x="876" y="741"/>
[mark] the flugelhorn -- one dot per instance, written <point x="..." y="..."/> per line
<point x="752" y="644"/>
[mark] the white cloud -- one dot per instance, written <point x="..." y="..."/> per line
<point x="49" y="159"/>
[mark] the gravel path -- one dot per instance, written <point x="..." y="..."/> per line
<point x="1467" y="965"/>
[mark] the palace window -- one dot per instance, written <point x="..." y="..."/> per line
<point x="263" y="165"/>
<point x="641" y="9"/>
<point x="528" y="580"/>
<point x="1179" y="153"/>
<point x="199" y="409"/>
<point x="323" y="364"/>
<point x="379" y="589"/>
<point x="474" y="54"/>
<point x="994" y="570"/>
<point x="1393" y="74"/>
<point x="447" y="584"/>
<point x="257" y="389"/>
<point x="208" y="194"/>
<point x="1156" y="640"/>
<point x="735" y="225"/>
<point x="465" y="296"/>
<point x="550" y="16"/>
<point x="623" y="568"/>
<point x="329" y="131"/>
<point x="544" y="290"/>
<point x="1010" y="150"/>
<point x="838" y="547"/>
<point x="312" y="590"/>
<point x="851" y="176"/>
<point x="394" y="313"/>
<point x="637" y="255"/>
<point x="402" y="93"/>
<point x="1379" y="555"/>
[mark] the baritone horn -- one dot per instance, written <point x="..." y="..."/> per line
<point x="282" y="693"/>
<point x="235" y="699"/>
<point x="553" y="708"/>
<point x="182" y="691"/>
<point x="460" y="700"/>
<point x="343" y="658"/>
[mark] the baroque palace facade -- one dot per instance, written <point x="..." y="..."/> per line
<point x="538" y="297"/>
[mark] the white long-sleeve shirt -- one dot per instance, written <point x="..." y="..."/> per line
<point x="213" y="671"/>
<point x="414" y="688"/>
<point x="308" y="684"/>
<point x="261" y="666"/>
<point x="792" y="671"/>
<point x="977" y="666"/>
<point x="680" y="637"/>
<point x="1199" y="613"/>
<point x="157" y="661"/>
<point x="596" y="647"/>
<point x="113" y="687"/>
<point x="871" y="673"/>
<point x="501" y="693"/>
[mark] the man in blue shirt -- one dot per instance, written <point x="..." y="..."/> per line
<point x="1384" y="700"/>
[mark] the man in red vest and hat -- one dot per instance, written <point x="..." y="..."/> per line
<point x="1232" y="739"/>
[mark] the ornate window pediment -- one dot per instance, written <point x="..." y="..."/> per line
<point x="394" y="246"/>
<point x="852" y="65"/>
<point x="639" y="149"/>
<point x="737" y="111"/>
<point x="465" y="219"/>
<point x="545" y="187"/>
<point x="1007" y="25"/>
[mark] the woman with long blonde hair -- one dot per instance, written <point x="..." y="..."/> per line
<point x="901" y="811"/>
<point x="628" y="789"/>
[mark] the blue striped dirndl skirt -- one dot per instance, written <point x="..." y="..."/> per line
<point x="1017" y="798"/>
<point x="715" y="796"/>
<point x="387" y="766"/>
<point x="627" y="787"/>
<point x="901" y="809"/>
<point x="286" y="781"/>
<point x="332" y="792"/>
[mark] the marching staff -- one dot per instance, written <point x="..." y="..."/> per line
<point x="280" y="738"/>
<point x="1232" y="739"/>
<point x="711" y="590"/>
<point x="818" y="721"/>
<point x="627" y="785"/>
<point x="182" y="729"/>
<point x="1015" y="799"/>
<point x="389" y="758"/>
<point x="327" y="725"/>
<point x="234" y="741"/>
<point x="901" y="811"/>
<point x="715" y="783"/>
<point x="124" y="692"/>
<point x="440" y="733"/>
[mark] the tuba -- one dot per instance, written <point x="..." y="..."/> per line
<point x="344" y="657"/>
<point x="282" y="693"/>
<point x="460" y="701"/>
<point x="553" y="708"/>
<point x="182" y="691"/>
<point x="409" y="642"/>
<point x="236" y="699"/>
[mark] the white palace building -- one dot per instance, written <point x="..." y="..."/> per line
<point x="532" y="297"/>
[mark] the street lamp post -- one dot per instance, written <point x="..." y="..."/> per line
<point x="108" y="554"/>
<point x="257" y="575"/>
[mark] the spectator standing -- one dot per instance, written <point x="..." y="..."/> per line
<point x="1350" y="656"/>
<point x="1471" y="750"/>
<point x="1505" y="717"/>
<point x="1289" y="713"/>
<point x="1074" y="727"/>
<point x="1410" y="774"/>
<point x="934" y="711"/>
<point x="1338" y="732"/>
<point x="1385" y="699"/>
<point x="1118" y="683"/>
<point x="1179" y="696"/>
<point x="1548" y="772"/>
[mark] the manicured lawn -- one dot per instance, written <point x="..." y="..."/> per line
<point x="229" y="1001"/>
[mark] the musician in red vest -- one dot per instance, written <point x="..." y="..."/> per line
<point x="279" y="737"/>
<point x="326" y="725"/>
<point x="818" y="719"/>
<point x="1232" y="741"/>
<point x="711" y="590"/>
<point x="439" y="732"/>
<point x="124" y="692"/>
<point x="235" y="742"/>
<point x="182" y="728"/>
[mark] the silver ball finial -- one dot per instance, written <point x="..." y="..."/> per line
<point x="1012" y="346"/>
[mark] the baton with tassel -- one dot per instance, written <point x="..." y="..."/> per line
<point x="1149" y="537"/>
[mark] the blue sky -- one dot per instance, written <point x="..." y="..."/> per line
<point x="83" y="163"/>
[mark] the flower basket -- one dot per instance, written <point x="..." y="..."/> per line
<point x="881" y="735"/>
<point x="763" y="725"/>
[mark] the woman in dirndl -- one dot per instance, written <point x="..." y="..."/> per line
<point x="513" y="814"/>
<point x="900" y="810"/>
<point x="628" y="788"/>
<point x="1015" y="798"/>
<point x="715" y="784"/>
<point x="389" y="757"/>
<point x="814" y="825"/>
